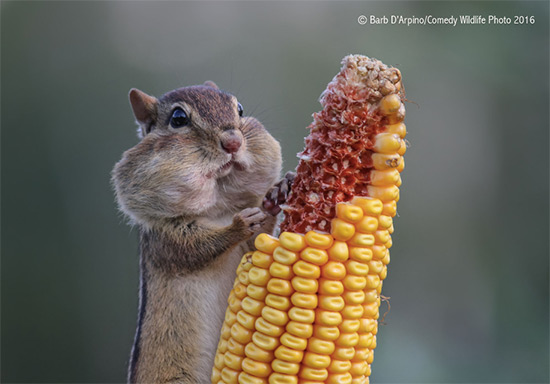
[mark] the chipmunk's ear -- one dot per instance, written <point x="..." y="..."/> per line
<point x="145" y="110"/>
<point x="211" y="84"/>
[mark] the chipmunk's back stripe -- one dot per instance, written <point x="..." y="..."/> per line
<point x="141" y="315"/>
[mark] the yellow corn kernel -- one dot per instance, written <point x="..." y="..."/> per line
<point x="370" y="358"/>
<point x="256" y="368"/>
<point x="234" y="303"/>
<point x="318" y="240"/>
<point x="294" y="242"/>
<point x="274" y="316"/>
<point x="229" y="376"/>
<point x="330" y="287"/>
<point x="331" y="303"/>
<point x="267" y="328"/>
<point x="340" y="378"/>
<point x="320" y="346"/>
<point x="240" y="291"/>
<point x="302" y="315"/>
<point x="342" y="230"/>
<point x="361" y="354"/>
<point x="401" y="165"/>
<point x="243" y="277"/>
<point x="371" y="310"/>
<point x="398" y="116"/>
<point x="354" y="297"/>
<point x="401" y="151"/>
<point x="349" y="325"/>
<point x="358" y="368"/>
<point x="314" y="255"/>
<point x="388" y="243"/>
<point x="347" y="340"/>
<point x="390" y="207"/>
<point x="258" y="276"/>
<point x="256" y="292"/>
<point x="386" y="194"/>
<point x="226" y="332"/>
<point x="324" y="332"/>
<point x="235" y="347"/>
<point x="284" y="256"/>
<point x="285" y="367"/>
<point x="230" y="317"/>
<point x="240" y="333"/>
<point x="360" y="254"/>
<point x="382" y="161"/>
<point x="386" y="177"/>
<point x="315" y="360"/>
<point x="360" y="380"/>
<point x="232" y="361"/>
<point x="399" y="129"/>
<point x="370" y="296"/>
<point x="266" y="243"/>
<point x="301" y="284"/>
<point x="368" y="224"/>
<point x="365" y="340"/>
<point x="324" y="317"/>
<point x="343" y="353"/>
<point x="360" y="240"/>
<point x="299" y="329"/>
<point x="280" y="270"/>
<point x="339" y="366"/>
<point x="266" y="342"/>
<point x="386" y="259"/>
<point x="357" y="268"/>
<point x="293" y="342"/>
<point x="305" y="269"/>
<point x="280" y="287"/>
<point x="278" y="302"/>
<point x="222" y="345"/>
<point x="368" y="325"/>
<point x="333" y="270"/>
<point x="390" y="104"/>
<point x="287" y="354"/>
<point x="252" y="306"/>
<point x="386" y="143"/>
<point x="281" y="378"/>
<point x="262" y="260"/>
<point x="313" y="373"/>
<point x="349" y="212"/>
<point x="245" y="378"/>
<point x="384" y="273"/>
<point x="246" y="319"/>
<point x="371" y="206"/>
<point x="354" y="283"/>
<point x="258" y="354"/>
<point x="379" y="251"/>
<point x="339" y="251"/>
<point x="382" y="236"/>
<point x="375" y="266"/>
<point x="219" y="360"/>
<point x="216" y="375"/>
<point x="385" y="222"/>
<point x="304" y="300"/>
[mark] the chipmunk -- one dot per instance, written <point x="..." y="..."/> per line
<point x="194" y="187"/>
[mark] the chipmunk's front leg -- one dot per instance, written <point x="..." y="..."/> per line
<point x="190" y="246"/>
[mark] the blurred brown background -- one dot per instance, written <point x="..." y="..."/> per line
<point x="469" y="275"/>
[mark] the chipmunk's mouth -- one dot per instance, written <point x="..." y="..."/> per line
<point x="226" y="169"/>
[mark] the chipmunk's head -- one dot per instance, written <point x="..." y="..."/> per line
<point x="198" y="153"/>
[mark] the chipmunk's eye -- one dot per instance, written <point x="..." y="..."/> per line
<point x="240" y="109"/>
<point x="179" y="118"/>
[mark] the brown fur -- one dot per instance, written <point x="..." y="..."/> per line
<point x="195" y="221"/>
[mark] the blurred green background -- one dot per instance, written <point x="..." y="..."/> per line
<point x="469" y="276"/>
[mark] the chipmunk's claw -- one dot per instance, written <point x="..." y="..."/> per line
<point x="278" y="194"/>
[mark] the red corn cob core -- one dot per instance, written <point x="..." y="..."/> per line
<point x="336" y="163"/>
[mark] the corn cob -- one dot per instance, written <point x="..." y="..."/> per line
<point x="304" y="306"/>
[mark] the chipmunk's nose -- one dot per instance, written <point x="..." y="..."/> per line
<point x="231" y="141"/>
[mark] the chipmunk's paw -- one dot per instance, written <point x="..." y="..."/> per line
<point x="278" y="194"/>
<point x="250" y="220"/>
